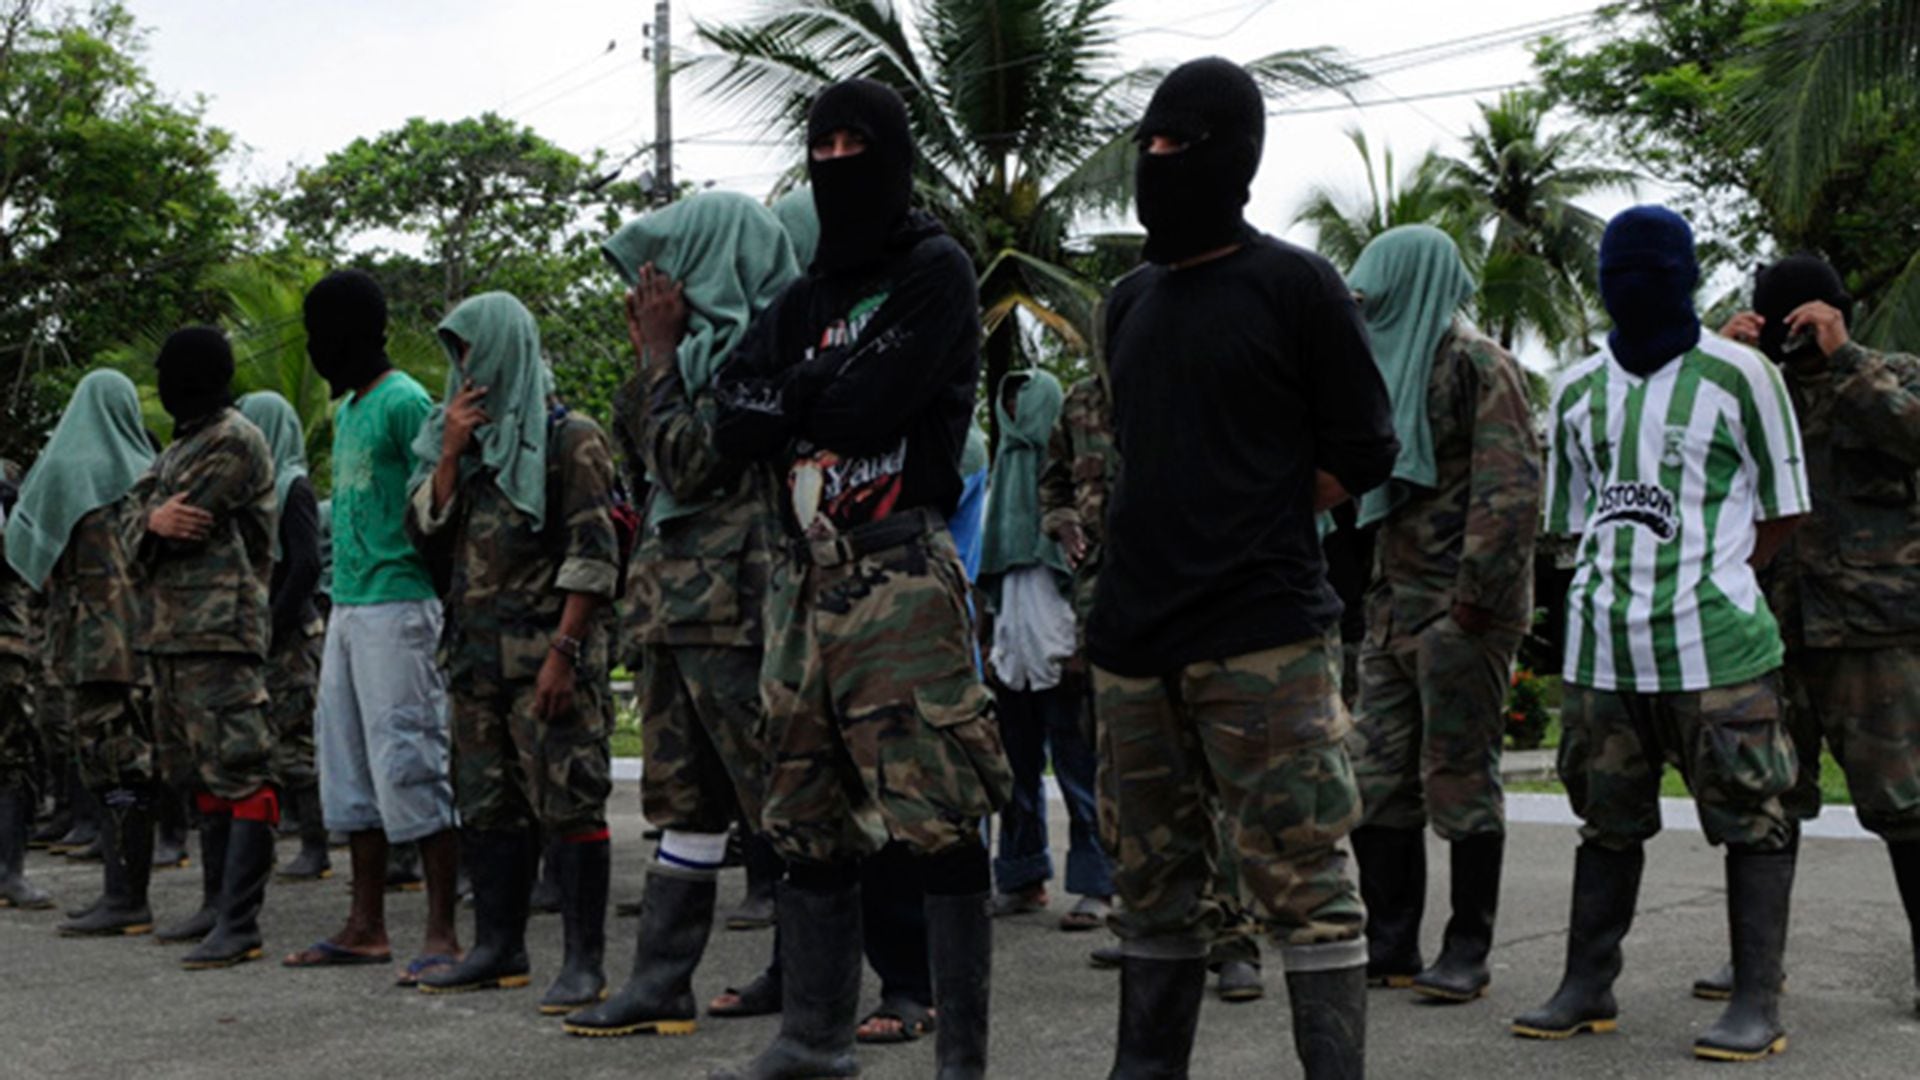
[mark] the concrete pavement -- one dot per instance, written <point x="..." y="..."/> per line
<point x="122" y="1008"/>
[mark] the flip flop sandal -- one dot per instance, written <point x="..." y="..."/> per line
<point x="1089" y="914"/>
<point x="1019" y="903"/>
<point x="761" y="997"/>
<point x="327" y="954"/>
<point x="916" y="1021"/>
<point x="421" y="966"/>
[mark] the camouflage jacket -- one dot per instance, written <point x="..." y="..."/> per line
<point x="510" y="580"/>
<point x="1470" y="539"/>
<point x="1850" y="576"/>
<point x="700" y="579"/>
<point x="16" y="597"/>
<point x="94" y="604"/>
<point x="208" y="596"/>
<point x="1081" y="462"/>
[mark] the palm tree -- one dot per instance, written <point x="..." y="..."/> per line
<point x="1540" y="273"/>
<point x="261" y="300"/>
<point x="1823" y="78"/>
<point x="1023" y="115"/>
<point x="1343" y="226"/>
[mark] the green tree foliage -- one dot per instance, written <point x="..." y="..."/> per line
<point x="111" y="208"/>
<point x="1787" y="125"/>
<point x="495" y="206"/>
<point x="1022" y="111"/>
<point x="1344" y="224"/>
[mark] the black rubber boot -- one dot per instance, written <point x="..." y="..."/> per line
<point x="758" y="910"/>
<point x="1393" y="883"/>
<point x="1759" y="896"/>
<point x="960" y="946"/>
<point x="215" y="831"/>
<point x="1238" y="982"/>
<point x="676" y="918"/>
<point x="16" y="824"/>
<point x="1906" y="874"/>
<point x="1606" y="885"/>
<point x="821" y="962"/>
<point x="84" y="830"/>
<point x="1330" y="1022"/>
<point x="501" y="864"/>
<point x="1159" y="1012"/>
<point x="313" y="863"/>
<point x="546" y="887"/>
<point x="1460" y="974"/>
<point x="59" y="819"/>
<point x="583" y="870"/>
<point x="235" y="937"/>
<point x="126" y="852"/>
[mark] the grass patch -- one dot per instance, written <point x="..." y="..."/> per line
<point x="1833" y="782"/>
<point x="626" y="726"/>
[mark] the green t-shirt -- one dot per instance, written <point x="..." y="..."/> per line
<point x="373" y="560"/>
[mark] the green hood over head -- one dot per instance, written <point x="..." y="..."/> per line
<point x="276" y="419"/>
<point x="501" y="342"/>
<point x="1413" y="283"/>
<point x="802" y="222"/>
<point x="1011" y="538"/>
<point x="94" y="456"/>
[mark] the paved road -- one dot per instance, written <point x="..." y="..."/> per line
<point x="122" y="1009"/>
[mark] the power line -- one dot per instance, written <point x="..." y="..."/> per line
<point x="568" y="73"/>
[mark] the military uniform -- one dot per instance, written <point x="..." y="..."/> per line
<point x="1847" y="588"/>
<point x="207" y="626"/>
<point x="293" y="674"/>
<point x="510" y="582"/>
<point x="93" y="616"/>
<point x="1432" y="705"/>
<point x="20" y="749"/>
<point x="696" y="593"/>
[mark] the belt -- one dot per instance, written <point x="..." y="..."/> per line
<point x="869" y="539"/>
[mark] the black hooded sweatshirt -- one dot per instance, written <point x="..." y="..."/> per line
<point x="866" y="367"/>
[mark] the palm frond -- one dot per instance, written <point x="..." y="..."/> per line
<point x="1894" y="320"/>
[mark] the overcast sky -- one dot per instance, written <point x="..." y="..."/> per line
<point x="295" y="81"/>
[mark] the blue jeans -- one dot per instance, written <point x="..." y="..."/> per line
<point x="1031" y="722"/>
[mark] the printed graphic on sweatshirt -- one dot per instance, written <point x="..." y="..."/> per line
<point x="847" y="491"/>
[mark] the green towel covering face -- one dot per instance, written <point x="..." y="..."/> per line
<point x="1011" y="538"/>
<point x="1413" y="282"/>
<point x="281" y="425"/>
<point x="93" y="457"/>
<point x="797" y="215"/>
<point x="732" y="258"/>
<point x="501" y="345"/>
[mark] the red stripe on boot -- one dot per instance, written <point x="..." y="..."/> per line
<point x="262" y="806"/>
<point x="591" y="836"/>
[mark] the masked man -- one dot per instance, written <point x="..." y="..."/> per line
<point x="1244" y="401"/>
<point x="202" y="532"/>
<point x="1847" y="587"/>
<point x="20" y="750"/>
<point x="1677" y="461"/>
<point x="700" y="271"/>
<point x="857" y="388"/>
<point x="1452" y="600"/>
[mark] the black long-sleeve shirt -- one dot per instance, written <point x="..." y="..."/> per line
<point x="870" y="375"/>
<point x="1233" y="382"/>
<point x="296" y="573"/>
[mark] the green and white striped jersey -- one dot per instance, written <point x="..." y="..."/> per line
<point x="1664" y="479"/>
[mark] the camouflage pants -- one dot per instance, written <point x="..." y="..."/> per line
<point x="20" y="749"/>
<point x="1254" y="744"/>
<point x="293" y="672"/>
<point x="1238" y="938"/>
<point x="512" y="770"/>
<point x="55" y="722"/>
<point x="700" y="719"/>
<point x="1729" y="743"/>
<point x="877" y="724"/>
<point x="210" y="726"/>
<point x="113" y="727"/>
<point x="1432" y="717"/>
<point x="1866" y="704"/>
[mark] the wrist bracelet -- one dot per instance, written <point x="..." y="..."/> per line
<point x="568" y="647"/>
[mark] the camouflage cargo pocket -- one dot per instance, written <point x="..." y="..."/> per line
<point x="1575" y="754"/>
<point x="1745" y="741"/>
<point x="961" y="712"/>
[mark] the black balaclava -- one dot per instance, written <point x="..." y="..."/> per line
<point x="1647" y="276"/>
<point x="346" y="316"/>
<point x="1780" y="288"/>
<point x="196" y="370"/>
<point x="860" y="199"/>
<point x="1191" y="202"/>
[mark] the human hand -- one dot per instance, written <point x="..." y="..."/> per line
<point x="1073" y="543"/>
<point x="464" y="415"/>
<point x="656" y="318"/>
<point x="1824" y="321"/>
<point x="553" y="690"/>
<point x="1744" y="328"/>
<point x="1474" y="620"/>
<point x="177" y="519"/>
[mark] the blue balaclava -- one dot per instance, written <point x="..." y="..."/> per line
<point x="1647" y="276"/>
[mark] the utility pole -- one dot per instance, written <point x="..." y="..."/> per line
<point x="663" y="189"/>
